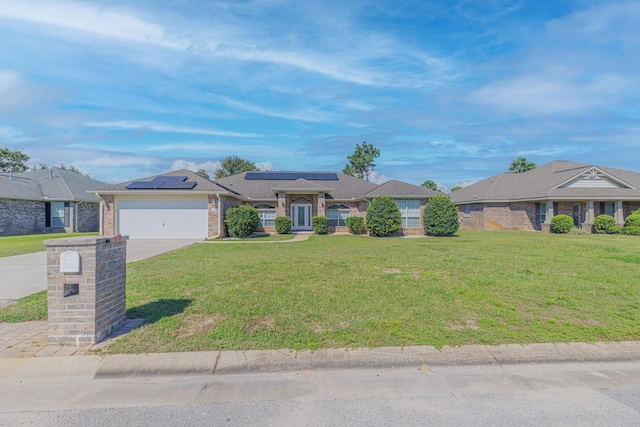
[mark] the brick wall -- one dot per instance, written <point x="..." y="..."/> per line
<point x="108" y="216"/>
<point x="226" y="203"/>
<point x="213" y="212"/>
<point x="88" y="217"/>
<point x="86" y="307"/>
<point x="21" y="217"/>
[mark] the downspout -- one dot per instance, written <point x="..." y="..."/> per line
<point x="101" y="215"/>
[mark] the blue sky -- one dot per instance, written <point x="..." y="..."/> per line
<point x="450" y="91"/>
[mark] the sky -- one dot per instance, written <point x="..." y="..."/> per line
<point x="450" y="91"/>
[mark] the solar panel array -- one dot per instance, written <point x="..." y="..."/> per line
<point x="292" y="176"/>
<point x="163" y="183"/>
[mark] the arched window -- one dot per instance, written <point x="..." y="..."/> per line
<point x="266" y="214"/>
<point x="301" y="199"/>
<point x="338" y="214"/>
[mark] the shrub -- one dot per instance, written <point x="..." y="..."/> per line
<point x="283" y="225"/>
<point x="383" y="217"/>
<point x="577" y="230"/>
<point x="241" y="220"/>
<point x="632" y="230"/>
<point x="602" y="224"/>
<point x="561" y="224"/>
<point x="320" y="224"/>
<point x="440" y="217"/>
<point x="616" y="229"/>
<point x="355" y="224"/>
<point x="633" y="220"/>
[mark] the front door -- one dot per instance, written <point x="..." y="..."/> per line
<point x="577" y="215"/>
<point x="301" y="216"/>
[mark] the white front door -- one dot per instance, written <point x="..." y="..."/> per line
<point x="301" y="216"/>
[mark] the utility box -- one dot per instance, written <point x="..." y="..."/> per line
<point x="86" y="287"/>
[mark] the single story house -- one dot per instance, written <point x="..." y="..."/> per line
<point x="182" y="204"/>
<point x="47" y="200"/>
<point x="529" y="200"/>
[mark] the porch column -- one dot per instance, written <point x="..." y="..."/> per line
<point x="549" y="214"/>
<point x="280" y="207"/>
<point x="619" y="213"/>
<point x="321" y="205"/>
<point x="589" y="216"/>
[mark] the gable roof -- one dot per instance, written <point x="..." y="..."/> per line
<point x="52" y="184"/>
<point x="202" y="185"/>
<point x="265" y="185"/>
<point x="554" y="181"/>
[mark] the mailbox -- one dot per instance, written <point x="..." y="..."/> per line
<point x="70" y="262"/>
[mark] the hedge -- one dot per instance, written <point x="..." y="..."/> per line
<point x="561" y="224"/>
<point x="440" y="217"/>
<point x="602" y="224"/>
<point x="356" y="224"/>
<point x="283" y="225"/>
<point x="383" y="217"/>
<point x="241" y="220"/>
<point x="320" y="224"/>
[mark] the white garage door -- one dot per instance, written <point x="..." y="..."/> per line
<point x="183" y="217"/>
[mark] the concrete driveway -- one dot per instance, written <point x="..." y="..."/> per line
<point x="23" y="275"/>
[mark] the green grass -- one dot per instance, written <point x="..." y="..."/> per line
<point x="351" y="291"/>
<point x="32" y="307"/>
<point x="18" y="245"/>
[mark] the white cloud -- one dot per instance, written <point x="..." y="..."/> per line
<point x="378" y="178"/>
<point x="266" y="166"/>
<point x="304" y="114"/>
<point x="11" y="135"/>
<point x="209" y="167"/>
<point x="158" y="127"/>
<point x="8" y="80"/>
<point x="89" y="19"/>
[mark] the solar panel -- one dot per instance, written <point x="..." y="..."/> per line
<point x="177" y="185"/>
<point x="291" y="176"/>
<point x="163" y="183"/>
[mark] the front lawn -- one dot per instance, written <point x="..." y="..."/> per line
<point x="352" y="291"/>
<point x="18" y="245"/>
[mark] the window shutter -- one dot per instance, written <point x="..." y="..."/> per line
<point x="602" y="208"/>
<point x="47" y="214"/>
<point x="67" y="214"/>
<point x="537" y="213"/>
<point x="555" y="208"/>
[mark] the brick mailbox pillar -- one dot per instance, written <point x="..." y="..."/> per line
<point x="86" y="284"/>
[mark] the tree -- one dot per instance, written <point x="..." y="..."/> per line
<point x="440" y="217"/>
<point x="361" y="161"/>
<point x="12" y="160"/>
<point x="430" y="185"/>
<point x="521" y="165"/>
<point x="233" y="165"/>
<point x="457" y="187"/>
<point x="203" y="173"/>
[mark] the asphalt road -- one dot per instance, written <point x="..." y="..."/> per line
<point x="571" y="394"/>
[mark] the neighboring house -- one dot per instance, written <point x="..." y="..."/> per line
<point x="182" y="204"/>
<point x="529" y="200"/>
<point x="48" y="200"/>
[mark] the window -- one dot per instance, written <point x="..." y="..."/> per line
<point x="266" y="215"/>
<point x="609" y="208"/>
<point x="410" y="213"/>
<point x="466" y="211"/>
<point x="338" y="215"/>
<point x="57" y="214"/>
<point x="301" y="199"/>
<point x="543" y="212"/>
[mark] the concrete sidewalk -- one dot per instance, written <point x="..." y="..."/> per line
<point x="24" y="351"/>
<point x="23" y="275"/>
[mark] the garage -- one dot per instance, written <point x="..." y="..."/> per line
<point x="156" y="217"/>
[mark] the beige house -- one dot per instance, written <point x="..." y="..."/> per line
<point x="182" y="204"/>
<point x="529" y="200"/>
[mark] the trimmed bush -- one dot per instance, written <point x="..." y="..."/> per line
<point x="355" y="224"/>
<point x="633" y="220"/>
<point x="440" y="217"/>
<point x="241" y="220"/>
<point x="383" y="217"/>
<point x="602" y="224"/>
<point x="320" y="224"/>
<point x="283" y="225"/>
<point x="632" y="230"/>
<point x="616" y="229"/>
<point x="561" y="224"/>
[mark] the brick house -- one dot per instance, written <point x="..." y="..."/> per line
<point x="194" y="207"/>
<point x="529" y="200"/>
<point x="48" y="200"/>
